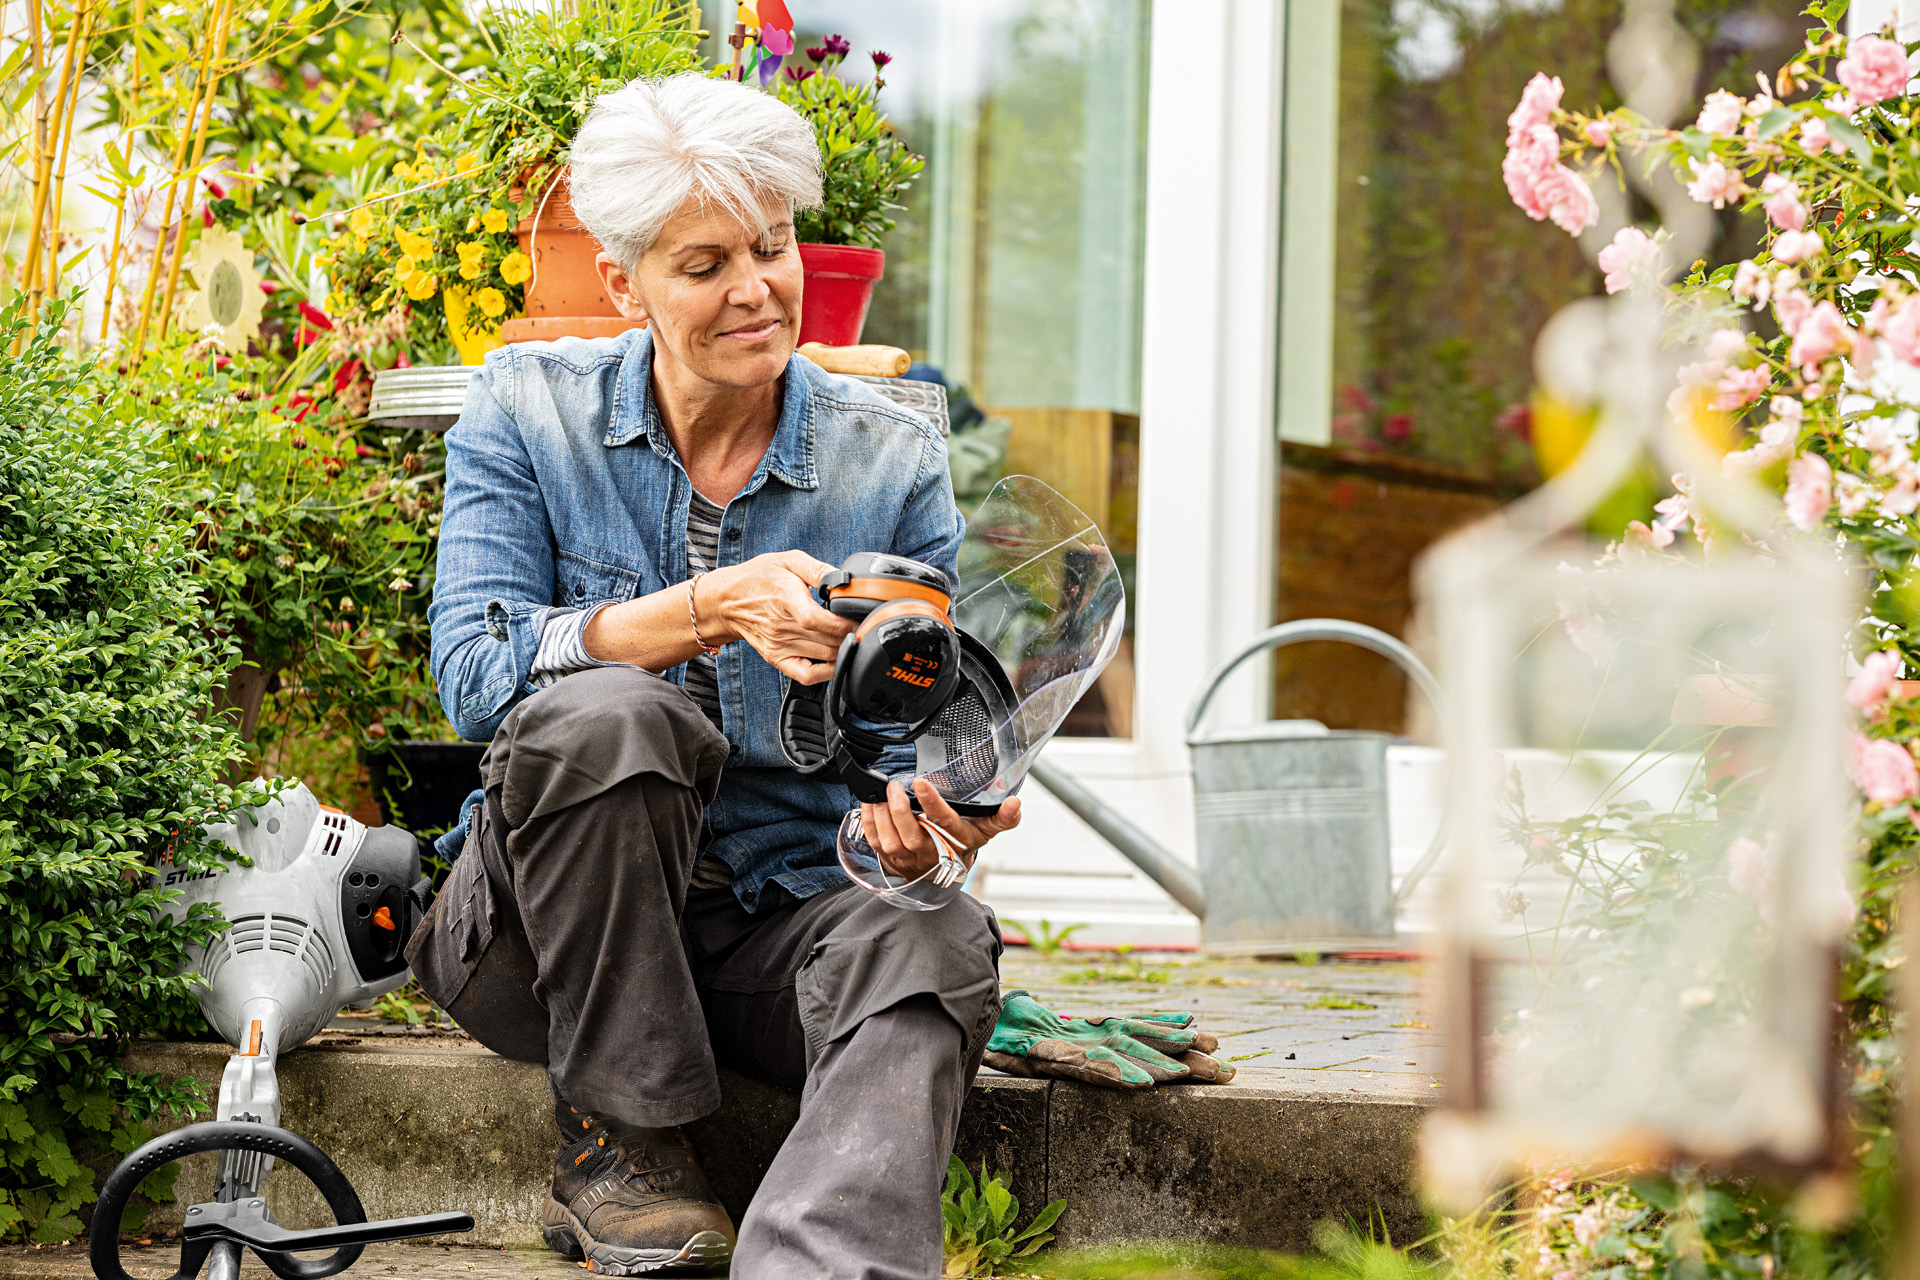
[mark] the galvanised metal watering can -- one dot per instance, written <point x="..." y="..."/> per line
<point x="1291" y="819"/>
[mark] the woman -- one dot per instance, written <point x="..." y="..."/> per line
<point x="633" y="530"/>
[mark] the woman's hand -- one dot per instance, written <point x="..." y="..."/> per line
<point x="768" y="602"/>
<point x="906" y="848"/>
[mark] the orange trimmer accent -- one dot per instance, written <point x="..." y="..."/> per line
<point x="384" y="919"/>
<point x="900" y="608"/>
<point x="253" y="1040"/>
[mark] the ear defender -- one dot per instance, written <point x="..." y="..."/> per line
<point x="895" y="675"/>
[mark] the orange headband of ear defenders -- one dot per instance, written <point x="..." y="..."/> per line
<point x="891" y="589"/>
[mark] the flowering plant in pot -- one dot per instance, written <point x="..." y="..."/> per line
<point x="553" y="61"/>
<point x="423" y="268"/>
<point x="865" y="167"/>
<point x="1812" y="347"/>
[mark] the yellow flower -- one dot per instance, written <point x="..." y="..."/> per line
<point x="403" y="171"/>
<point x="473" y="224"/>
<point x="494" y="220"/>
<point x="471" y="271"/>
<point x="516" y="268"/>
<point x="405" y="267"/>
<point x="470" y="250"/>
<point x="469" y="163"/>
<point x="420" y="286"/>
<point x="492" y="302"/>
<point x="323" y="260"/>
<point x="413" y="244"/>
<point x="361" y="222"/>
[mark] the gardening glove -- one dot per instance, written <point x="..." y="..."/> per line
<point x="1119" y="1053"/>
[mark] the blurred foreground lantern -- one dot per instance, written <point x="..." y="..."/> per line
<point x="1646" y="881"/>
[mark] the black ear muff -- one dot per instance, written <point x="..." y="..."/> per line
<point x="898" y="668"/>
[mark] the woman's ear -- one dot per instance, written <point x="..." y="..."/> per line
<point x="615" y="279"/>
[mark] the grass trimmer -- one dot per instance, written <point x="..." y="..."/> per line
<point x="320" y="911"/>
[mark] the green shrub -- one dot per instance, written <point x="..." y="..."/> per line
<point x="107" y="763"/>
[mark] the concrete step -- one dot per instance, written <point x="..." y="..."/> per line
<point x="1336" y="1069"/>
<point x="427" y="1125"/>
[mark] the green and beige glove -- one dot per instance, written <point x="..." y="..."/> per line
<point x="1120" y="1053"/>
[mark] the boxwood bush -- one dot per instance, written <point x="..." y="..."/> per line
<point x="108" y="763"/>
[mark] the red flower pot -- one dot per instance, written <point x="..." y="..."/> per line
<point x="840" y="280"/>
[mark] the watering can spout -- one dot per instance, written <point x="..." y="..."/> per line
<point x="1181" y="881"/>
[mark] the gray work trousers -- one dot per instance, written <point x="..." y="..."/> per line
<point x="566" y="935"/>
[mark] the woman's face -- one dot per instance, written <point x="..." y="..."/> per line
<point x="723" y="302"/>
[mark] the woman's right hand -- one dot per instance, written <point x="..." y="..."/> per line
<point x="768" y="602"/>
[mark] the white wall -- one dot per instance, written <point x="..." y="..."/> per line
<point x="1206" y="540"/>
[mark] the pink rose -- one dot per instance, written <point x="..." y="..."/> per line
<point x="1821" y="335"/>
<point x="1721" y="113"/>
<point x="1750" y="283"/>
<point x="1792" y="306"/>
<point x="1714" y="183"/>
<point x="1813" y="136"/>
<point x="1631" y="252"/>
<point x="1875" y="679"/>
<point x="1797" y="246"/>
<point x="1882" y="770"/>
<point x="1739" y="388"/>
<point x="1899" y="324"/>
<point x="1783" y="203"/>
<point x="1569" y="200"/>
<point x="1809" y="491"/>
<point x="1598" y="132"/>
<point x="1531" y="153"/>
<point x="1538" y="101"/>
<point x="1904" y="498"/>
<point x="1874" y="69"/>
<point x="1851" y="495"/>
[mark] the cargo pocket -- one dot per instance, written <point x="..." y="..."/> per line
<point x="459" y="927"/>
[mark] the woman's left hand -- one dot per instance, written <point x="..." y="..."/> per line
<point x="906" y="848"/>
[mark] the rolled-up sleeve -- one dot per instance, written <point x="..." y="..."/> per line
<point x="493" y="587"/>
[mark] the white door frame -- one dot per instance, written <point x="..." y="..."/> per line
<point x="1207" y="445"/>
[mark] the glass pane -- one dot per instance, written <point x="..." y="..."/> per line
<point x="1413" y="290"/>
<point x="1015" y="268"/>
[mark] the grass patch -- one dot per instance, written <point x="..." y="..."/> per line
<point x="1331" y="1001"/>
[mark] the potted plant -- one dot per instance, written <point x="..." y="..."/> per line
<point x="866" y="167"/>
<point x="424" y="267"/>
<point x="553" y="62"/>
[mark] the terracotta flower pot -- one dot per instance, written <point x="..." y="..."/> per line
<point x="839" y="289"/>
<point x="564" y="297"/>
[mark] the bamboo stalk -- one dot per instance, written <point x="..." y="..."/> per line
<point x="68" y="112"/>
<point x="37" y="44"/>
<point x="200" y="85"/>
<point x="113" y="259"/>
<point x="193" y="168"/>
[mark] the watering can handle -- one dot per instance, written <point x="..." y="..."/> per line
<point x="1354" y="633"/>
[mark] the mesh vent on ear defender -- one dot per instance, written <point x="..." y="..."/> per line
<point x="975" y="736"/>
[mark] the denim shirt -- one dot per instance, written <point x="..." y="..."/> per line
<point x="564" y="492"/>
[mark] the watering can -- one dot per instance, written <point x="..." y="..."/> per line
<point x="1291" y="819"/>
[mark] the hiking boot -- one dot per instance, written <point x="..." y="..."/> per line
<point x="629" y="1201"/>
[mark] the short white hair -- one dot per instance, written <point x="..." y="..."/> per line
<point x="651" y="146"/>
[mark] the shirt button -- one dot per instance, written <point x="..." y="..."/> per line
<point x="733" y="534"/>
<point x="746" y="895"/>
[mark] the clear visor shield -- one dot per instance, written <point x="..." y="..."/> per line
<point x="1040" y="591"/>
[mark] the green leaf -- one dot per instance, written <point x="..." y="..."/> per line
<point x="1777" y="121"/>
<point x="1841" y="130"/>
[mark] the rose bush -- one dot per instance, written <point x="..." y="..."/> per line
<point x="1814" y="345"/>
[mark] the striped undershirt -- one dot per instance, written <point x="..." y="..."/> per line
<point x="703" y="553"/>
